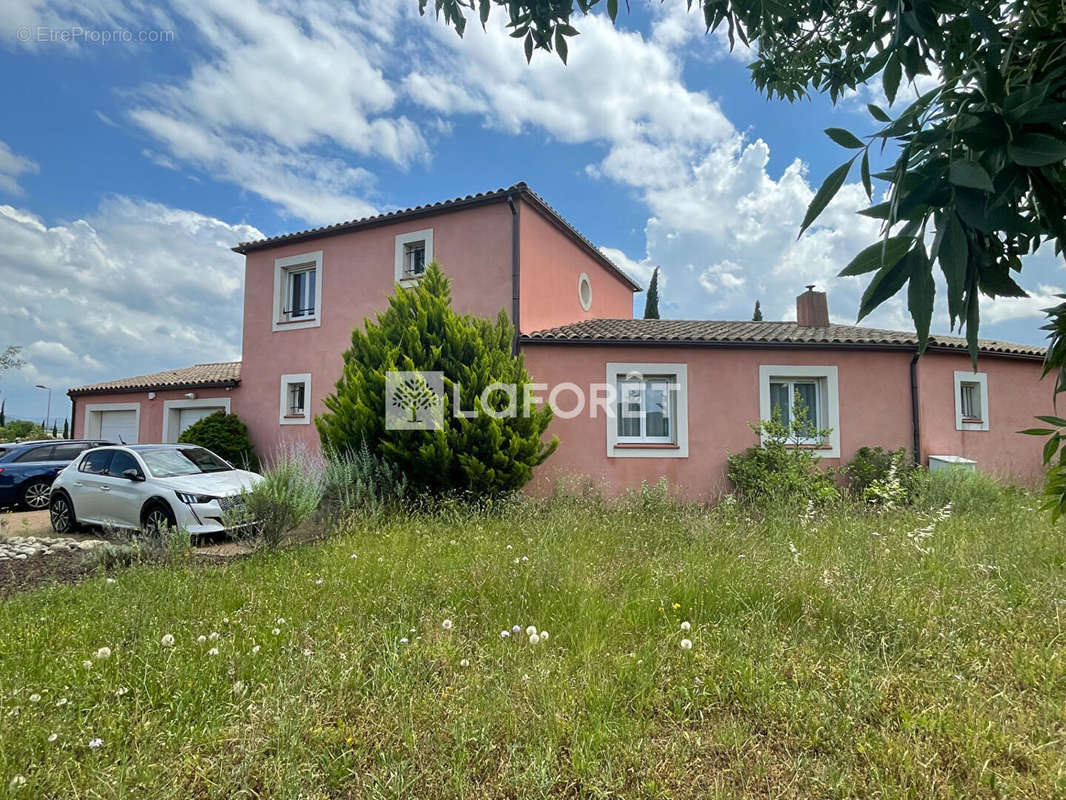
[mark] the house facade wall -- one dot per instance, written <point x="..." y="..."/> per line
<point x="473" y="246"/>
<point x="724" y="397"/>
<point x="1015" y="395"/>
<point x="551" y="265"/>
<point x="150" y="411"/>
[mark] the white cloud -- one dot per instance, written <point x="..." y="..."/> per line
<point x="136" y="287"/>
<point x="11" y="167"/>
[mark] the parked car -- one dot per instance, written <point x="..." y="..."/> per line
<point x="27" y="469"/>
<point x="148" y="487"/>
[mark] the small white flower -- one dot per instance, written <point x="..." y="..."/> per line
<point x="464" y="663"/>
<point x="87" y="664"/>
<point x="35" y="698"/>
<point x="453" y="541"/>
<point x="280" y="620"/>
<point x="447" y="624"/>
<point x="201" y="638"/>
<point x="403" y="640"/>
<point x="534" y="639"/>
<point x="354" y="555"/>
<point x="276" y="631"/>
<point x="62" y="701"/>
<point x="225" y="620"/>
<point x="307" y="652"/>
<point x="504" y="634"/>
<point x="686" y="626"/>
<point x="103" y="654"/>
<point x="516" y="629"/>
<point x="412" y="630"/>
<point x="525" y="558"/>
<point x="167" y="641"/>
<point x="109" y="580"/>
<point x="531" y="631"/>
<point x="213" y="636"/>
<point x="255" y="650"/>
<point x="213" y="651"/>
<point x="16" y="782"/>
<point x="544" y="636"/>
<point x="319" y="582"/>
<point x="95" y="743"/>
<point x="53" y="736"/>
<point x="121" y="691"/>
<point x="509" y="547"/>
<point x="686" y="644"/>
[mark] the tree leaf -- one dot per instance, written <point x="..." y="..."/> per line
<point x="886" y="283"/>
<point x="560" y="45"/>
<point x="1056" y="421"/>
<point x="1050" y="446"/>
<point x="971" y="175"/>
<point x="878" y="113"/>
<point x="1037" y="431"/>
<point x="953" y="255"/>
<point x="864" y="166"/>
<point x="844" y="138"/>
<point x="529" y="46"/>
<point x="891" y="77"/>
<point x="1037" y="150"/>
<point x="612" y="9"/>
<point x="878" y="255"/>
<point x="973" y="323"/>
<point x="826" y="193"/>
<point x="921" y="291"/>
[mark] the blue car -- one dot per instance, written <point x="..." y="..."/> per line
<point x="27" y="469"/>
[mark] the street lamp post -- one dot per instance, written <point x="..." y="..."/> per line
<point x="49" y="412"/>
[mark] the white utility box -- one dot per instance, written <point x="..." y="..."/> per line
<point x="951" y="462"/>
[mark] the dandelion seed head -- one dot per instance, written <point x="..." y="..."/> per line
<point x="544" y="635"/>
<point x="167" y="640"/>
<point x="35" y="698"/>
<point x="534" y="639"/>
<point x="280" y="621"/>
<point x="87" y="664"/>
<point x="504" y="634"/>
<point x="103" y="654"/>
<point x="516" y="629"/>
<point x="213" y="636"/>
<point x="201" y="638"/>
<point x="531" y="630"/>
<point x="53" y="736"/>
<point x="276" y="631"/>
<point x="213" y="651"/>
<point x="686" y="625"/>
<point x="255" y="650"/>
<point x="686" y="644"/>
<point x="447" y="624"/>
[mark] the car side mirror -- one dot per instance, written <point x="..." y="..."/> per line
<point x="133" y="475"/>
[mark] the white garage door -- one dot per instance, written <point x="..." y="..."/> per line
<point x="118" y="426"/>
<point x="189" y="416"/>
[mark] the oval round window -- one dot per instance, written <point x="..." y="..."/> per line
<point x="584" y="291"/>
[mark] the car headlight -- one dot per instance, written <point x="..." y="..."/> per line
<point x="197" y="499"/>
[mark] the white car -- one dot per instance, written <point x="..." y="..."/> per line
<point x="147" y="487"/>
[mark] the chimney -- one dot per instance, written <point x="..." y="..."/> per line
<point x="812" y="309"/>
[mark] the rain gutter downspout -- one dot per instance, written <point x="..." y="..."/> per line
<point x="514" y="271"/>
<point x="915" y="422"/>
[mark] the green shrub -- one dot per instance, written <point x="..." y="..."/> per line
<point x="359" y="482"/>
<point x="870" y="464"/>
<point x="18" y="430"/>
<point x="480" y="456"/>
<point x="782" y="469"/>
<point x="225" y="436"/>
<point x="289" y="493"/>
<point x="966" y="491"/>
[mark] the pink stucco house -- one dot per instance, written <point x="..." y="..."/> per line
<point x="686" y="389"/>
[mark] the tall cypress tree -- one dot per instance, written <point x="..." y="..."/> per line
<point x="420" y="332"/>
<point x="55" y="430"/>
<point x="651" y="302"/>
<point x="66" y="429"/>
<point x="3" y="406"/>
<point x="757" y="316"/>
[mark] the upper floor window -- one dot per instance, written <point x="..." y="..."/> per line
<point x="414" y="251"/>
<point x="785" y="389"/>
<point x="971" y="401"/>
<point x="649" y="417"/>
<point x="298" y="291"/>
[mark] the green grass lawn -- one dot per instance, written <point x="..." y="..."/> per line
<point x="849" y="654"/>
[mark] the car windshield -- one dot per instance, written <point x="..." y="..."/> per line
<point x="173" y="462"/>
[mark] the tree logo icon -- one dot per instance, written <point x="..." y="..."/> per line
<point x="414" y="400"/>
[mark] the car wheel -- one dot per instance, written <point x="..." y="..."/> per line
<point x="156" y="519"/>
<point x="61" y="513"/>
<point x="35" y="495"/>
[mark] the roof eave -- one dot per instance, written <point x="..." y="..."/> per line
<point x="752" y="345"/>
<point x="81" y="391"/>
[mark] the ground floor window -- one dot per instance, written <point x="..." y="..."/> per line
<point x="785" y="390"/>
<point x="295" y="399"/>
<point x="971" y="401"/>
<point x="649" y="413"/>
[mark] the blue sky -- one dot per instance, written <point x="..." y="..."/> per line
<point x="127" y="168"/>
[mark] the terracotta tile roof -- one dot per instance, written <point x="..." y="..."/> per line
<point x="481" y="198"/>
<point x="200" y="375"/>
<point x="773" y="334"/>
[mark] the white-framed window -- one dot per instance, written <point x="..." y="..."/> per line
<point x="971" y="401"/>
<point x="648" y="413"/>
<point x="414" y="251"/>
<point x="298" y="291"/>
<point x="584" y="291"/>
<point x="295" y="399"/>
<point x="815" y="387"/>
